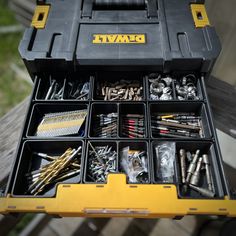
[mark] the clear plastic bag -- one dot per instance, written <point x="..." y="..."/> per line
<point x="165" y="154"/>
<point x="134" y="165"/>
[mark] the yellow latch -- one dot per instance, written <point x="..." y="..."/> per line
<point x="199" y="15"/>
<point x="40" y="16"/>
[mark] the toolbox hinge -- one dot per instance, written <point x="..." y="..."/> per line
<point x="199" y="15"/>
<point x="40" y="16"/>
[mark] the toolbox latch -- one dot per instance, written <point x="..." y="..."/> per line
<point x="40" y="16"/>
<point x="199" y="15"/>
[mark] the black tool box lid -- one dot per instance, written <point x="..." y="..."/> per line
<point x="161" y="34"/>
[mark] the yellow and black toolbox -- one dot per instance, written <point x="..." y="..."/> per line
<point x="119" y="122"/>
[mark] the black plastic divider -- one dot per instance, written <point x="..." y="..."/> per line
<point x="40" y="109"/>
<point x="101" y="108"/>
<point x="113" y="76"/>
<point x="135" y="145"/>
<point x="198" y="108"/>
<point x="28" y="161"/>
<point x="95" y="143"/>
<point x="205" y="147"/>
<point x="133" y="108"/>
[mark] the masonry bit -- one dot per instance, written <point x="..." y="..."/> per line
<point x="196" y="175"/>
<point x="192" y="166"/>
<point x="204" y="192"/>
<point x="208" y="172"/>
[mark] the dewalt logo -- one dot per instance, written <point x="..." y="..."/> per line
<point x="119" y="38"/>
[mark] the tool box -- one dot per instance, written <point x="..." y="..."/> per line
<point x="119" y="123"/>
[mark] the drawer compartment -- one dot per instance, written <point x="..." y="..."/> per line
<point x="55" y="120"/>
<point x="179" y="120"/>
<point x="206" y="149"/>
<point x="34" y="158"/>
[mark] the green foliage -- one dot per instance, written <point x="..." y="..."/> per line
<point x="21" y="224"/>
<point x="12" y="89"/>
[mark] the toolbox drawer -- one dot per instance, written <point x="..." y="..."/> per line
<point x="119" y="123"/>
<point x="146" y="180"/>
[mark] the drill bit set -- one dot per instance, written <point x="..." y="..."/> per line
<point x="101" y="161"/>
<point x="58" y="169"/>
<point x="160" y="87"/>
<point x="62" y="124"/>
<point x="131" y="90"/>
<point x="177" y="125"/>
<point x="105" y="125"/>
<point x="132" y="126"/>
<point x="67" y="89"/>
<point x="135" y="164"/>
<point x="194" y="169"/>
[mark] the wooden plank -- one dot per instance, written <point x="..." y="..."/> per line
<point x="222" y="99"/>
<point x="36" y="225"/>
<point x="10" y="128"/>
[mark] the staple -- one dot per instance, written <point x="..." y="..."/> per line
<point x="61" y="123"/>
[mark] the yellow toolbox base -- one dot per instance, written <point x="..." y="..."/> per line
<point x="118" y="199"/>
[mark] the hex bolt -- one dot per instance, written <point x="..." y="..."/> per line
<point x="196" y="175"/>
<point x="208" y="172"/>
<point x="192" y="166"/>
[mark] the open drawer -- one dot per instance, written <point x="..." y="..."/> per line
<point x="106" y="143"/>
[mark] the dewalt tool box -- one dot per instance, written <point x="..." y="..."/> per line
<point x="119" y="123"/>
